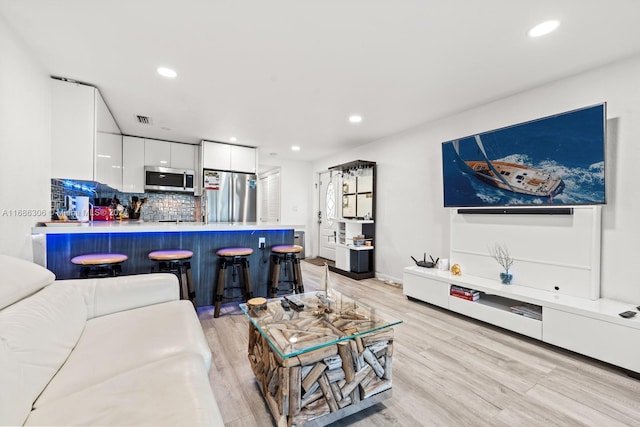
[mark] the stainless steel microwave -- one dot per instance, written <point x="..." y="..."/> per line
<point x="158" y="178"/>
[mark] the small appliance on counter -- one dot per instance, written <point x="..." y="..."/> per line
<point x="78" y="208"/>
<point x="103" y="209"/>
<point x="102" y="213"/>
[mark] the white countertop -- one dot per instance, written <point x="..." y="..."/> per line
<point x="138" y="226"/>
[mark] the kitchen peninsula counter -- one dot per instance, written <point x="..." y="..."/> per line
<point x="137" y="226"/>
<point x="55" y="245"/>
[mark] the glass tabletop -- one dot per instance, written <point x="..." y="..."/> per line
<point x="313" y="320"/>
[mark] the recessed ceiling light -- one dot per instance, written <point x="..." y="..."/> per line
<point x="295" y="148"/>
<point x="355" y="118"/>
<point x="544" y="28"/>
<point x="167" y="72"/>
<point x="233" y="139"/>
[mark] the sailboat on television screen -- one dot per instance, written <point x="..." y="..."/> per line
<point x="513" y="177"/>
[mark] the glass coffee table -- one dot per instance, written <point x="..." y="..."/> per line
<point x="318" y="359"/>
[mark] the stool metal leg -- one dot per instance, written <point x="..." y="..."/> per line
<point x="248" y="294"/>
<point x="220" y="287"/>
<point x="297" y="274"/>
<point x="182" y="274"/>
<point x="190" y="288"/>
<point x="275" y="278"/>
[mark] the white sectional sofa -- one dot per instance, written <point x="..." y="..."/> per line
<point x="112" y="351"/>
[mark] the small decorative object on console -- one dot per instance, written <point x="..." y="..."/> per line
<point x="501" y="254"/>
<point x="456" y="270"/>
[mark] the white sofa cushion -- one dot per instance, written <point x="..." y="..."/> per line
<point x="179" y="385"/>
<point x="14" y="398"/>
<point x="112" y="294"/>
<point x="38" y="333"/>
<point x="20" y="278"/>
<point x="126" y="340"/>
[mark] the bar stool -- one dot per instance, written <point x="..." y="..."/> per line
<point x="287" y="255"/>
<point x="99" y="265"/>
<point x="178" y="262"/>
<point x="236" y="258"/>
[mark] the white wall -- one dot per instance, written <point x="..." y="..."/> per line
<point x="25" y="105"/>
<point x="410" y="217"/>
<point x="295" y="196"/>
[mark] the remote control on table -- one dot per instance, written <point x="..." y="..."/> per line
<point x="297" y="306"/>
<point x="285" y="304"/>
<point x="627" y="314"/>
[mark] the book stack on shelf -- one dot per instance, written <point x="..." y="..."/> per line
<point x="527" y="310"/>
<point x="464" y="293"/>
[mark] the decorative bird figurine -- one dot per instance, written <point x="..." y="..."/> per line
<point x="456" y="270"/>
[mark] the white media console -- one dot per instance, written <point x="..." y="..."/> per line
<point x="571" y="314"/>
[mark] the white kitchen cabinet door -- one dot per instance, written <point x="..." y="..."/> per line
<point x="216" y="156"/>
<point x="132" y="164"/>
<point x="157" y="153"/>
<point x="343" y="258"/>
<point x="109" y="159"/>
<point x="183" y="156"/>
<point x="243" y="159"/>
<point x="72" y="130"/>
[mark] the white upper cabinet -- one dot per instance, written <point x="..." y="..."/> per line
<point x="243" y="159"/>
<point x="157" y="153"/>
<point x="183" y="156"/>
<point x="133" y="164"/>
<point x="228" y="157"/>
<point x="169" y="154"/>
<point x="73" y="130"/>
<point x="216" y="156"/>
<point x="108" y="168"/>
<point x="86" y="141"/>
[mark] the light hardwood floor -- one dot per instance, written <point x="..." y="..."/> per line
<point x="449" y="370"/>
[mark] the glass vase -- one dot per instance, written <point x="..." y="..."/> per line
<point x="506" y="277"/>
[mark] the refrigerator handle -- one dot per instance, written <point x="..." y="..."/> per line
<point x="232" y="186"/>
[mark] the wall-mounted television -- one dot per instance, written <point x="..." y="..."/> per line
<point x="555" y="160"/>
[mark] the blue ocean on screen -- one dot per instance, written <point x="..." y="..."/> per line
<point x="566" y="149"/>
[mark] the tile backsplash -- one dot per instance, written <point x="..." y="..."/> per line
<point x="158" y="206"/>
<point x="164" y="206"/>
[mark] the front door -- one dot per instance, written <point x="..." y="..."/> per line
<point x="326" y="217"/>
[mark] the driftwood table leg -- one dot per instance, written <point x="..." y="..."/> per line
<point x="324" y="385"/>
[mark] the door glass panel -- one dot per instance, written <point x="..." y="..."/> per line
<point x="330" y="204"/>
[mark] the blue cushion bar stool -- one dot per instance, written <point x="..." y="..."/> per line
<point x="236" y="258"/>
<point x="178" y="262"/>
<point x="99" y="265"/>
<point x="286" y="255"/>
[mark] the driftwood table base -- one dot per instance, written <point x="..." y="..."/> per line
<point x="326" y="384"/>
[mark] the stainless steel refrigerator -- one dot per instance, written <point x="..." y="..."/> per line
<point x="230" y="196"/>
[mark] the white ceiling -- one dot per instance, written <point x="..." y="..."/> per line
<point x="278" y="73"/>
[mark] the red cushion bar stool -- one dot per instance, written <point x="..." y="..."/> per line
<point x="99" y="265"/>
<point x="178" y="262"/>
<point x="286" y="255"/>
<point x="236" y="258"/>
